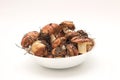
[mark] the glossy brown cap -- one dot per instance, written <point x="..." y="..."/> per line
<point x="59" y="41"/>
<point x="77" y="39"/>
<point x="71" y="34"/>
<point x="58" y="52"/>
<point x="29" y="38"/>
<point x="68" y="24"/>
<point x="51" y="28"/>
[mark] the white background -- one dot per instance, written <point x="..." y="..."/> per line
<point x="100" y="18"/>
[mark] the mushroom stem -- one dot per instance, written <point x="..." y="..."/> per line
<point x="66" y="30"/>
<point x="63" y="47"/>
<point x="52" y="37"/>
<point x="82" y="47"/>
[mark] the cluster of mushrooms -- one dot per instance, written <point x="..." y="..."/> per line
<point x="57" y="40"/>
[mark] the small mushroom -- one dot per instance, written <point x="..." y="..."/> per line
<point x="48" y="46"/>
<point x="67" y="26"/>
<point x="72" y="34"/>
<point x="82" y="43"/>
<point x="38" y="49"/>
<point x="58" y="52"/>
<point x="51" y="29"/>
<point x="58" y="42"/>
<point x="60" y="34"/>
<point x="82" y="34"/>
<point x="72" y="50"/>
<point x="29" y="38"/>
<point x="44" y="36"/>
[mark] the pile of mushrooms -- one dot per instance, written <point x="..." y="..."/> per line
<point x="57" y="40"/>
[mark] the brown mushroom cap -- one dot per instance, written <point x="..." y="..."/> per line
<point x="60" y="34"/>
<point x="82" y="34"/>
<point x="59" y="41"/>
<point x="71" y="50"/>
<point x="58" y="52"/>
<point x="51" y="28"/>
<point x="48" y="45"/>
<point x="78" y="39"/>
<point x="38" y="49"/>
<point x="44" y="36"/>
<point x="68" y="24"/>
<point x="70" y="35"/>
<point x="29" y="38"/>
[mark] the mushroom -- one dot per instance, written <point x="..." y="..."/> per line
<point x="71" y="50"/>
<point x="58" y="52"/>
<point x="60" y="34"/>
<point x="67" y="26"/>
<point x="51" y="29"/>
<point x="44" y="36"/>
<point x="82" y="43"/>
<point x="59" y="42"/>
<point x="70" y="35"/>
<point x="55" y="40"/>
<point x="48" y="45"/>
<point x="38" y="49"/>
<point x="90" y="46"/>
<point x="29" y="38"/>
<point x="82" y="34"/>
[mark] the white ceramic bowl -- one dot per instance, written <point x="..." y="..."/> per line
<point x="60" y="63"/>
